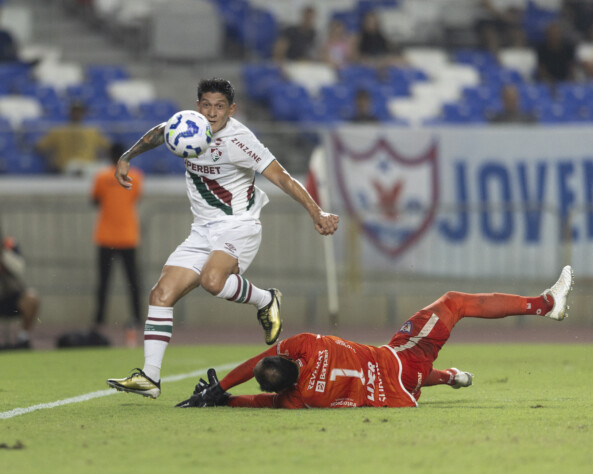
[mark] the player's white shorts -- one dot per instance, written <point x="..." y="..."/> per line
<point x="239" y="239"/>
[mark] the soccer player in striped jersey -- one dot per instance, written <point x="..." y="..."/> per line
<point x="308" y="370"/>
<point x="226" y="231"/>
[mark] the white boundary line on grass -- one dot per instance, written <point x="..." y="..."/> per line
<point x="103" y="393"/>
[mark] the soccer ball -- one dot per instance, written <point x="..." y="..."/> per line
<point x="188" y="134"/>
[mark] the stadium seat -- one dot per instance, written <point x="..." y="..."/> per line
<point x="59" y="75"/>
<point x="414" y="110"/>
<point x="17" y="108"/>
<point x="26" y="163"/>
<point x="431" y="60"/>
<point x="104" y="74"/>
<point x="158" y="110"/>
<point x="312" y="76"/>
<point x="131" y="92"/>
<point x="523" y="60"/>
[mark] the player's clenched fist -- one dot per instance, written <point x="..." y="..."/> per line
<point x="326" y="223"/>
<point x="121" y="174"/>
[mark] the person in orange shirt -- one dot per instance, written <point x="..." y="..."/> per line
<point x="117" y="234"/>
<point x="314" y="371"/>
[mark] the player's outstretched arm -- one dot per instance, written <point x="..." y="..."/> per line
<point x="244" y="372"/>
<point x="325" y="223"/>
<point x="151" y="139"/>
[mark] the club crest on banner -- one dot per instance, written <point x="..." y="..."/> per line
<point x="392" y="197"/>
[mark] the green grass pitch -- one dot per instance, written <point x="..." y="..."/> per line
<point x="530" y="410"/>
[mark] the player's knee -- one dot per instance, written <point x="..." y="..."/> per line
<point x="212" y="283"/>
<point x="161" y="295"/>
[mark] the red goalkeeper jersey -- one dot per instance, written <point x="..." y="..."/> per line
<point x="334" y="373"/>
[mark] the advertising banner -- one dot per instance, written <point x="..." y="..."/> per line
<point x="483" y="201"/>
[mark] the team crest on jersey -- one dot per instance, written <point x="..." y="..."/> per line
<point x="215" y="151"/>
<point x="379" y="187"/>
<point x="406" y="328"/>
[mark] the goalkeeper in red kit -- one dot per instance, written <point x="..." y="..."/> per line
<point x="313" y="371"/>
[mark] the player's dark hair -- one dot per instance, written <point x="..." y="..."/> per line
<point x="217" y="85"/>
<point x="276" y="373"/>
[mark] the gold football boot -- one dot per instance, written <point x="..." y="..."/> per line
<point x="138" y="383"/>
<point x="269" y="317"/>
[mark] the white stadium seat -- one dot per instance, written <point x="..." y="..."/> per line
<point x="59" y="75"/>
<point x="17" y="108"/>
<point x="312" y="76"/>
<point x="131" y="92"/>
<point x="523" y="60"/>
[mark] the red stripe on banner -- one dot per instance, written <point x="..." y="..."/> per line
<point x="238" y="292"/>
<point x="159" y="319"/>
<point x="152" y="337"/>
<point x="248" y="294"/>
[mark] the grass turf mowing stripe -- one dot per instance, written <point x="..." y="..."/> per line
<point x="103" y="393"/>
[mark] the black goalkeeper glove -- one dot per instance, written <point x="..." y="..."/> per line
<point x="207" y="395"/>
<point x="200" y="387"/>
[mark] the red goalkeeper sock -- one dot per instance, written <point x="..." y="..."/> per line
<point x="539" y="305"/>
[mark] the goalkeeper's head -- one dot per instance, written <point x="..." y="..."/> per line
<point x="276" y="373"/>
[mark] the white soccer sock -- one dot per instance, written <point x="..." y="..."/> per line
<point x="157" y="334"/>
<point x="240" y="290"/>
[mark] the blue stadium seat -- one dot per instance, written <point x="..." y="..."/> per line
<point x="109" y="111"/>
<point x="259" y="31"/>
<point x="359" y="76"/>
<point x="474" y="57"/>
<point x="101" y="75"/>
<point x="260" y="79"/>
<point x="159" y="110"/>
<point x="462" y="114"/>
<point x="286" y="101"/>
<point x="25" y="163"/>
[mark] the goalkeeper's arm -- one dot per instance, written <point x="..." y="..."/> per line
<point x="244" y="372"/>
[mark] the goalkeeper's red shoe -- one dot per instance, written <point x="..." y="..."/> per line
<point x="139" y="383"/>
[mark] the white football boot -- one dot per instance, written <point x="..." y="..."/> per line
<point x="559" y="292"/>
<point x="460" y="378"/>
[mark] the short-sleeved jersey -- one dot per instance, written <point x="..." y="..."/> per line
<point x="220" y="183"/>
<point x="337" y="373"/>
<point x="117" y="224"/>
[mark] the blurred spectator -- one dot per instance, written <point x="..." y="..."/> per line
<point x="16" y="298"/>
<point x="579" y="14"/>
<point x="499" y="24"/>
<point x="363" y="107"/>
<point x="75" y="147"/>
<point x="8" y="47"/>
<point x="372" y="46"/>
<point x="338" y="49"/>
<point x="297" y="42"/>
<point x="511" y="111"/>
<point x="117" y="235"/>
<point x="556" y="56"/>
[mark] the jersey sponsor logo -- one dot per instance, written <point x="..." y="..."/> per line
<point x="406" y="328"/>
<point x="322" y="360"/>
<point x="340" y="342"/>
<point x="205" y="169"/>
<point x="379" y="187"/>
<point x="343" y="402"/>
<point x="248" y="151"/>
<point x="230" y="247"/>
<point x="320" y="386"/>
